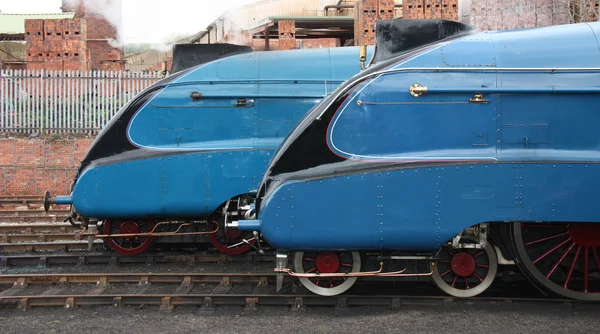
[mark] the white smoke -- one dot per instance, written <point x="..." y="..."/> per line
<point x="111" y="10"/>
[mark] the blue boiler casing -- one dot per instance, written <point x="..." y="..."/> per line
<point x="497" y="127"/>
<point x="189" y="143"/>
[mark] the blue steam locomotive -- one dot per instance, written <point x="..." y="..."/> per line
<point x="446" y="160"/>
<point x="193" y="147"/>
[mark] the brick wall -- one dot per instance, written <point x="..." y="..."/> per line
<point x="287" y="35"/>
<point x="57" y="44"/>
<point x="99" y="34"/>
<point x="366" y="14"/>
<point x="259" y="44"/>
<point x="318" y="43"/>
<point x="32" y="166"/>
<point x="514" y="14"/>
<point x="430" y="9"/>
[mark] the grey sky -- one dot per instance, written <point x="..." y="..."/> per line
<point x="145" y="21"/>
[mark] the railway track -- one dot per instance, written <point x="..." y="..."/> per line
<point x="111" y="258"/>
<point x="42" y="237"/>
<point x="209" y="290"/>
<point x="24" y="216"/>
<point x="38" y="228"/>
<point x="21" y="200"/>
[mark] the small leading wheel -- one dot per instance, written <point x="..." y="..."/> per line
<point x="329" y="262"/>
<point x="223" y="240"/>
<point x="129" y="245"/>
<point x="465" y="272"/>
<point x="564" y="258"/>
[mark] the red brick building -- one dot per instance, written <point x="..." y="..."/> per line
<point x="100" y="35"/>
<point x="84" y="41"/>
<point x="56" y="44"/>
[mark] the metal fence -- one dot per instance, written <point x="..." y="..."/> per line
<point x="65" y="101"/>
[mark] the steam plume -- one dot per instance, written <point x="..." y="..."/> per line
<point x="111" y="10"/>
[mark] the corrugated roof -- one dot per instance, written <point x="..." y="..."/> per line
<point x="12" y="52"/>
<point x="15" y="23"/>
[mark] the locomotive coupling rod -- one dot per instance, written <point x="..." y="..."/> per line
<point x="49" y="200"/>
<point x="156" y="234"/>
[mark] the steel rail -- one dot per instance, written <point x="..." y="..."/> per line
<point x="46" y="246"/>
<point x="16" y="292"/>
<point x="111" y="258"/>
<point x="21" y="199"/>
<point x="143" y="278"/>
<point x="32" y="219"/>
<point x="41" y="237"/>
<point x="250" y="301"/>
<point x="31" y="212"/>
<point x="37" y="228"/>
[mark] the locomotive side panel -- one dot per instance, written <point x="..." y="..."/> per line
<point x="379" y="123"/>
<point x="170" y="187"/>
<point x="479" y="113"/>
<point x="421" y="208"/>
<point x="207" y="135"/>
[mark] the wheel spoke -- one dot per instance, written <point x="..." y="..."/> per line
<point x="597" y="259"/>
<point x="128" y="245"/>
<point x="555" y="263"/>
<point x="560" y="260"/>
<point x="572" y="267"/>
<point x="544" y="225"/>
<point x="546" y="239"/>
<point x="446" y="273"/>
<point x="585" y="271"/>
<point x="222" y="239"/>
<point x="551" y="250"/>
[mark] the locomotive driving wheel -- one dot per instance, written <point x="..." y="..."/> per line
<point x="328" y="262"/>
<point x="465" y="272"/>
<point x="230" y="241"/>
<point x="563" y="258"/>
<point x="131" y="245"/>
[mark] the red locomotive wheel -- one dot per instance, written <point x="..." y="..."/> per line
<point x="129" y="245"/>
<point x="564" y="258"/>
<point x="223" y="240"/>
<point x="466" y="272"/>
<point x="324" y="263"/>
